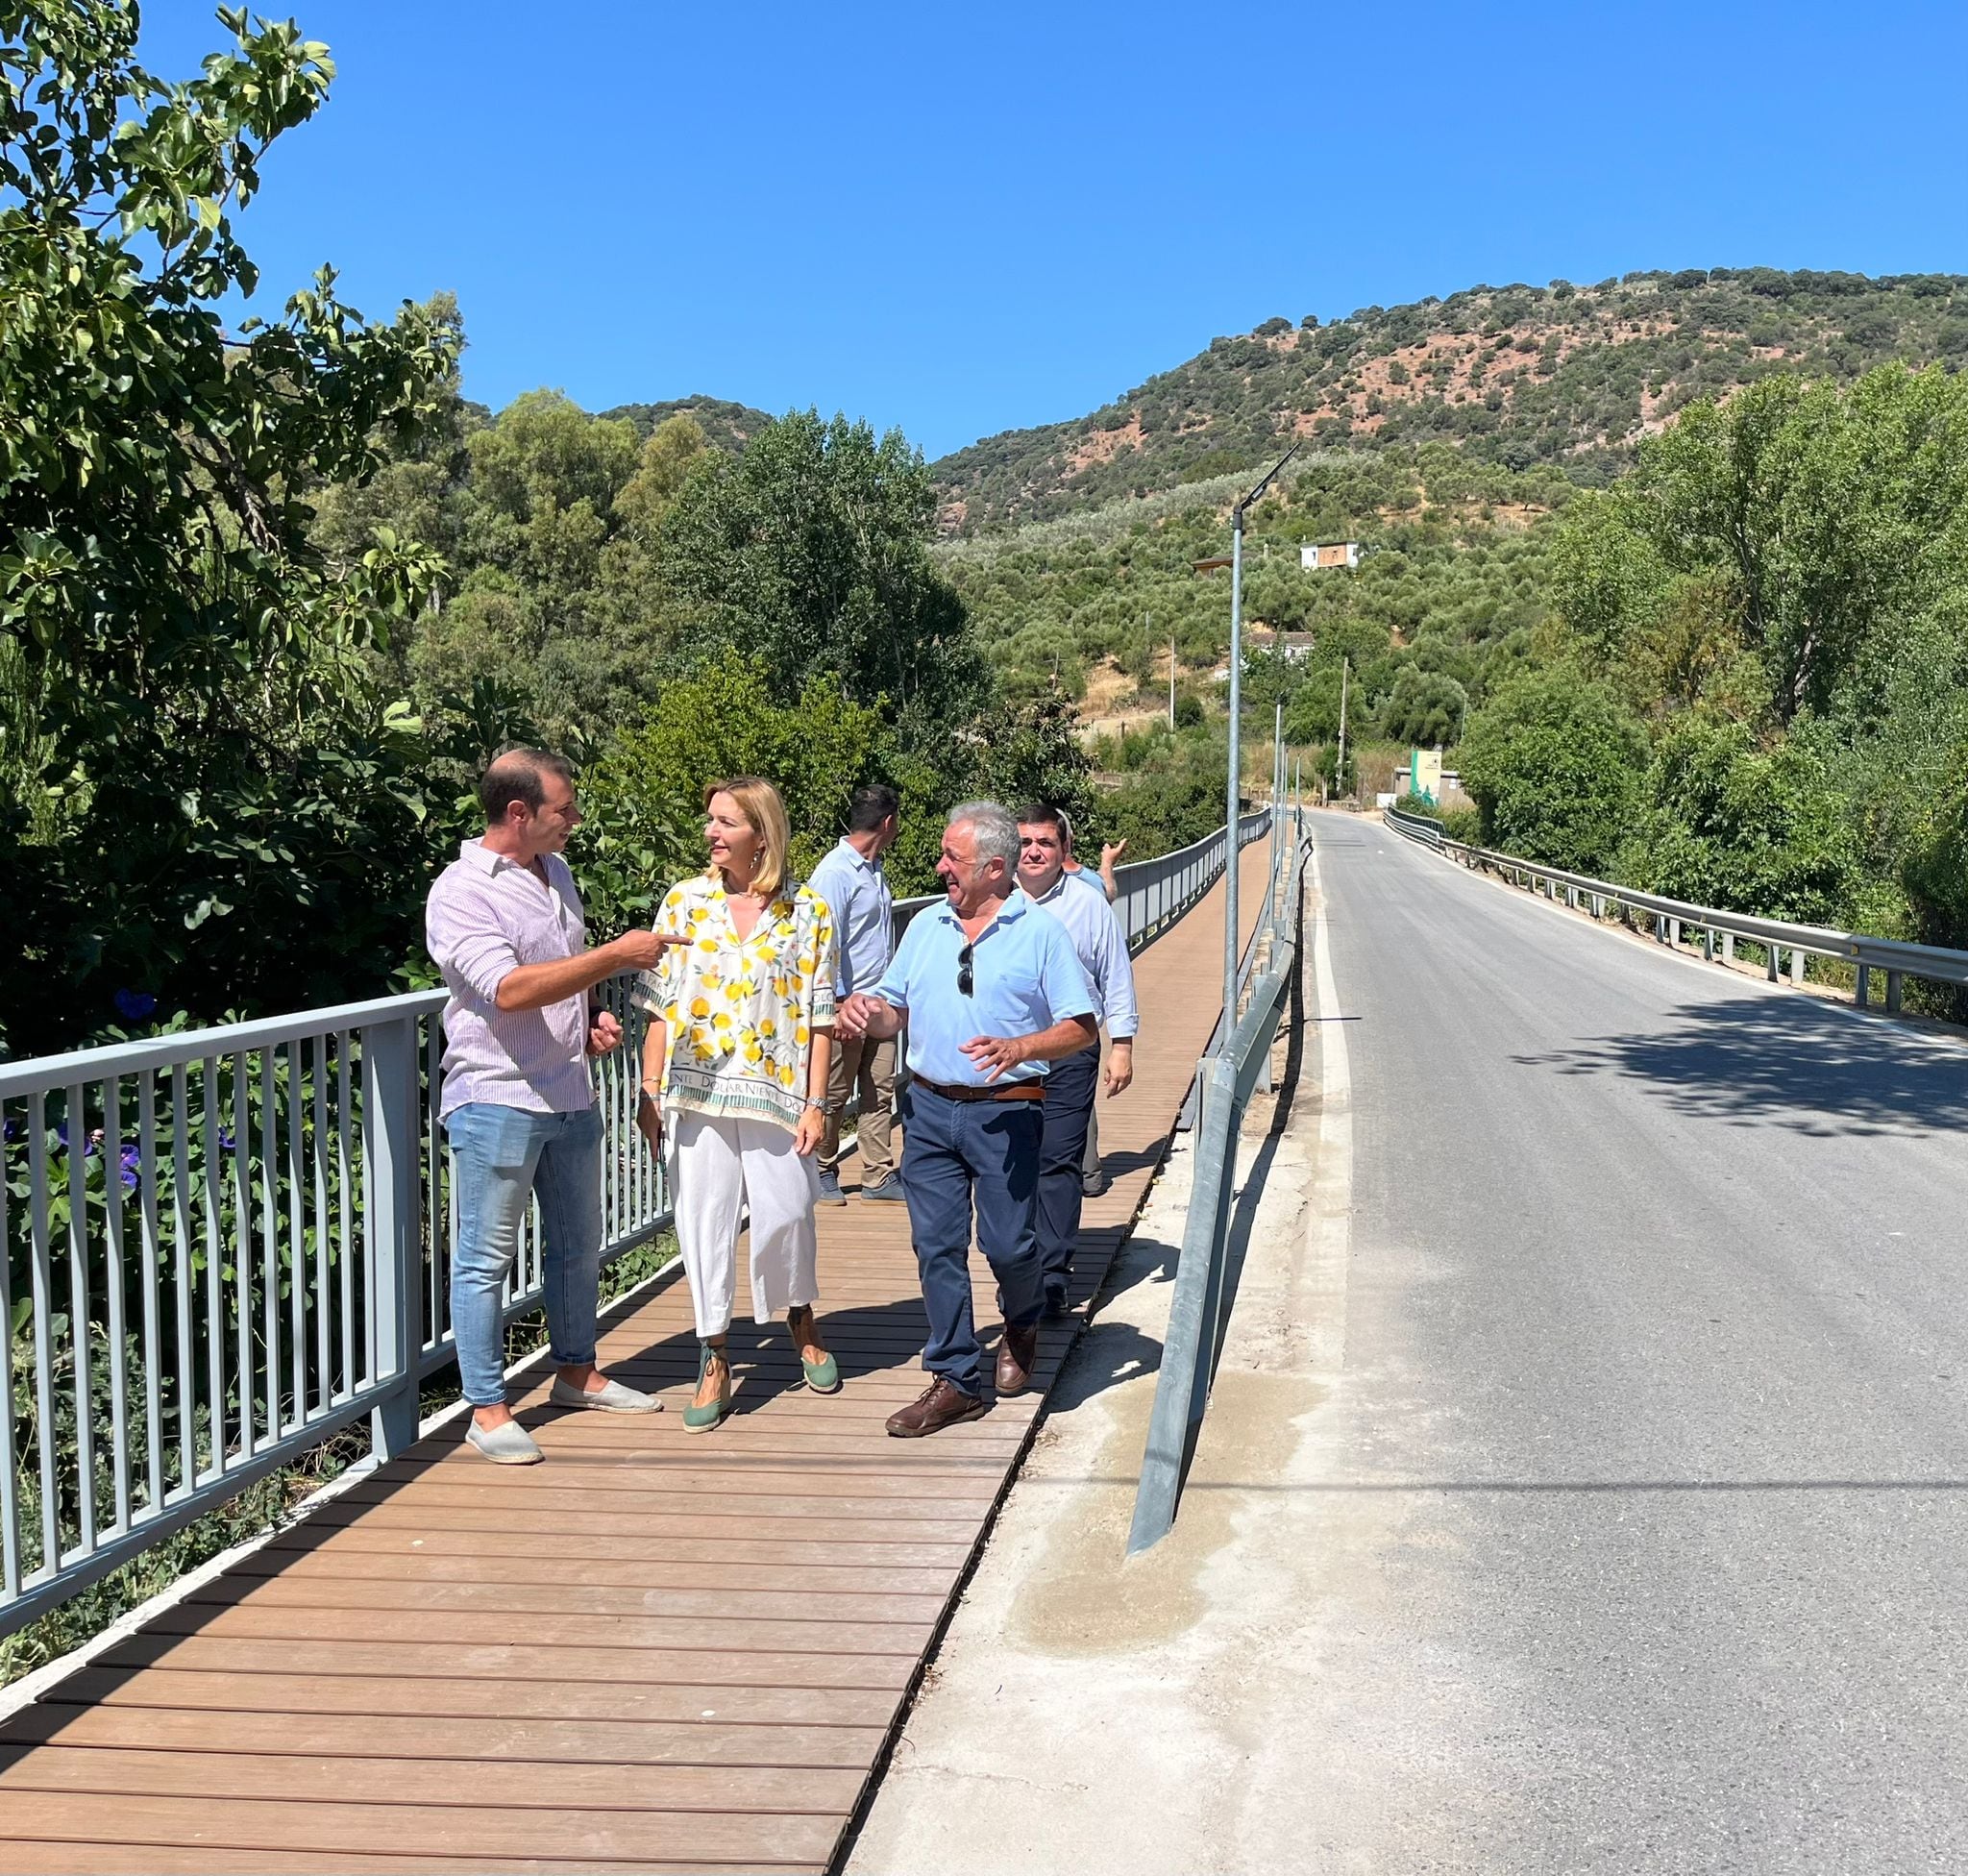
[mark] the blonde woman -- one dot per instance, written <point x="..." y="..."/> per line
<point x="734" y="1070"/>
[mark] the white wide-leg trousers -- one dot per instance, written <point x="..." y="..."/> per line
<point x="720" y="1164"/>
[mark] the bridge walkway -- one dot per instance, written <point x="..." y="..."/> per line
<point x="654" y="1652"/>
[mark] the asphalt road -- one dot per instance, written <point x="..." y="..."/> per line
<point x="1647" y="1459"/>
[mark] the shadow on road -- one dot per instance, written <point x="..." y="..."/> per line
<point x="1785" y="1061"/>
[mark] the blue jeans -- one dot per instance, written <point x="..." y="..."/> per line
<point x="1069" y="1108"/>
<point x="503" y="1156"/>
<point x="957" y="1156"/>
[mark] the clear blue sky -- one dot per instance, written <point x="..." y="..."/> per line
<point x="964" y="219"/>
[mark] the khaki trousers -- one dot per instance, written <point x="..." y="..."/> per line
<point x="869" y="1067"/>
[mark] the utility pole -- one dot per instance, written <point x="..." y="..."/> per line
<point x="1172" y="678"/>
<point x="1234" y="785"/>
<point x="1279" y="793"/>
<point x="1339" y="772"/>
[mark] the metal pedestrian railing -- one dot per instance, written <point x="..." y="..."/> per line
<point x="1238" y="1064"/>
<point x="223" y="1247"/>
<point x="1678" y="923"/>
<point x="1155" y="892"/>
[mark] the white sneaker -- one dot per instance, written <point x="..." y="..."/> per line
<point x="612" y="1398"/>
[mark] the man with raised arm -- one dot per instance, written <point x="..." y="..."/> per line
<point x="1102" y="947"/>
<point x="504" y="924"/>
<point x="992" y="993"/>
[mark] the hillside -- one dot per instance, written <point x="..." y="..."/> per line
<point x="1570" y="376"/>
<point x="726" y="426"/>
<point x="1451" y="586"/>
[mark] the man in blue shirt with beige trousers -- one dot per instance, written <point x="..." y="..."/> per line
<point x="992" y="992"/>
<point x="851" y="880"/>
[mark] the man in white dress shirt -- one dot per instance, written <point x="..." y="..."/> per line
<point x="1100" y="945"/>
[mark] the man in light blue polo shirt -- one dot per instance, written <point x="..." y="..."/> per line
<point x="992" y="992"/>
<point x="849" y="878"/>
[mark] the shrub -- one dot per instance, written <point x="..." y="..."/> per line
<point x="1554" y="764"/>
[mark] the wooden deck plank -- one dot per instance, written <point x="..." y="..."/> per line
<point x="271" y="1621"/>
<point x="191" y="1763"/>
<point x="796" y="1711"/>
<point x="800" y="1603"/>
<point x="359" y="1650"/>
<point x="369" y="1825"/>
<point x="690" y="1572"/>
<point x="575" y="1546"/>
<point x="465" y="1513"/>
<point x="296" y="1728"/>
<point x="40" y="1857"/>
<point x="653" y="1653"/>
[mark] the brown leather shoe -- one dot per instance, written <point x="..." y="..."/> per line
<point x="1018" y="1352"/>
<point x="941" y="1405"/>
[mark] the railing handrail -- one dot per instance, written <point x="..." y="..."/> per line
<point x="1896" y="956"/>
<point x="151" y="1052"/>
<point x="1226" y="1078"/>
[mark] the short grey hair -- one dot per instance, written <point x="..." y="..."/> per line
<point x="996" y="833"/>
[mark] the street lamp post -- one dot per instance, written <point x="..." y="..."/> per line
<point x="1233" y="790"/>
<point x="1277" y="779"/>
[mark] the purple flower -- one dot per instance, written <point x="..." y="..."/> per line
<point x="16" y="1130"/>
<point x="133" y="1165"/>
<point x="226" y="1141"/>
<point x="133" y="1005"/>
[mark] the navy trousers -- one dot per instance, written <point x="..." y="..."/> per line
<point x="960" y="1156"/>
<point x="1069" y="1090"/>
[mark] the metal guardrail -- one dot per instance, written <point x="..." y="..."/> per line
<point x="1227" y="1078"/>
<point x="1719" y="930"/>
<point x="217" y="1249"/>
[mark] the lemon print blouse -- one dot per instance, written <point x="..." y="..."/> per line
<point x="741" y="1014"/>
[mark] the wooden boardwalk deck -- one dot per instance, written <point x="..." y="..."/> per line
<point x="654" y="1652"/>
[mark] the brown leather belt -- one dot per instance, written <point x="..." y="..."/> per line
<point x="1006" y="1091"/>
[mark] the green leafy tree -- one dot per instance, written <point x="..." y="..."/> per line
<point x="661" y="469"/>
<point x="644" y="799"/>
<point x="1177" y="800"/>
<point x="1726" y="823"/>
<point x="243" y="808"/>
<point x="1553" y="763"/>
<point x="810" y="553"/>
<point x="1798" y="521"/>
<point x="1031" y="752"/>
<point x="1312" y="715"/>
<point x="1425" y="707"/>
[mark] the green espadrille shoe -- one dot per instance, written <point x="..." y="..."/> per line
<point x="823" y="1376"/>
<point x="701" y="1420"/>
